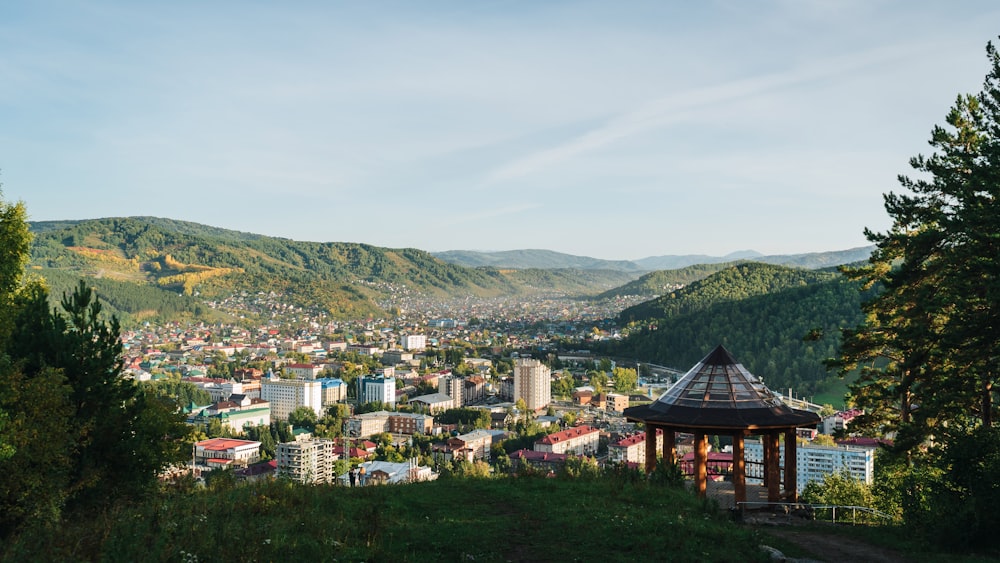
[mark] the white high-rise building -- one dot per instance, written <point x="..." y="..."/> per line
<point x="815" y="462"/>
<point x="374" y="388"/>
<point x="286" y="395"/>
<point x="533" y="383"/>
<point x="307" y="462"/>
<point x="413" y="341"/>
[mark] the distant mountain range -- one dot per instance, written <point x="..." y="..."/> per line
<point x="546" y="259"/>
<point x="154" y="268"/>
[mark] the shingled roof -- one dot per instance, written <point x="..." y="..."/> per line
<point x="718" y="392"/>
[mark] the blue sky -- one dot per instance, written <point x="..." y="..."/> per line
<point x="617" y="130"/>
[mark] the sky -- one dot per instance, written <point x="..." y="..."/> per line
<point x="616" y="129"/>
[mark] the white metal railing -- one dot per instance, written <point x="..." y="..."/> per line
<point x="813" y="508"/>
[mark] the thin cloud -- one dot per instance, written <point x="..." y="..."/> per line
<point x="685" y="105"/>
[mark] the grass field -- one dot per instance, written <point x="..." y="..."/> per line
<point x="516" y="519"/>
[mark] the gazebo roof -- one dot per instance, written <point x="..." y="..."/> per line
<point x="718" y="392"/>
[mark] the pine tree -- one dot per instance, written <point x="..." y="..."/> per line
<point x="927" y="352"/>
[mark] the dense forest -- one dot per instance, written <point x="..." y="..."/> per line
<point x="781" y="323"/>
<point x="131" y="302"/>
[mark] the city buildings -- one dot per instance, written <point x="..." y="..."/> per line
<point x="532" y="383"/>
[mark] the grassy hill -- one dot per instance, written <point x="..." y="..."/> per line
<point x="655" y="284"/>
<point x="515" y="519"/>
<point x="344" y="278"/>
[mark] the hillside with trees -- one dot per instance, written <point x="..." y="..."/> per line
<point x="346" y="279"/>
<point x="781" y="323"/>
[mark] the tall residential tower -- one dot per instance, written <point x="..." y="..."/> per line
<point x="533" y="383"/>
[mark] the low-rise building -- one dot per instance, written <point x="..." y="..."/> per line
<point x="303" y="371"/>
<point x="632" y="449"/>
<point x="579" y="440"/>
<point x="225" y="452"/>
<point x="433" y="403"/>
<point x="616" y="402"/>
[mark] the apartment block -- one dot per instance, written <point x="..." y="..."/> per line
<point x="533" y="383"/>
<point x="286" y="395"/>
<point x="813" y="463"/>
<point x="311" y="461"/>
<point x="579" y="440"/>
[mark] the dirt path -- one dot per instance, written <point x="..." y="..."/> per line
<point x="834" y="547"/>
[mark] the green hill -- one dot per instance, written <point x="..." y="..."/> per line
<point x="346" y="279"/>
<point x="482" y="520"/>
<point x="761" y="313"/>
<point x="660" y="282"/>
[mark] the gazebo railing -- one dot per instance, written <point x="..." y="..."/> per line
<point x="846" y="512"/>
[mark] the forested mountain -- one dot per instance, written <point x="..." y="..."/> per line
<point x="781" y="323"/>
<point x="184" y="258"/>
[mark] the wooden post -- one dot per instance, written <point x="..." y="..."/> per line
<point x="650" y="448"/>
<point x="700" y="462"/>
<point x="766" y="458"/>
<point x="669" y="447"/>
<point x="791" y="481"/>
<point x="739" y="469"/>
<point x="773" y="471"/>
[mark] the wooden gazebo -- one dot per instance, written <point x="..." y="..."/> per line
<point x="718" y="396"/>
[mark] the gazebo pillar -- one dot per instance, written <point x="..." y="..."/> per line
<point x="739" y="469"/>
<point x="773" y="471"/>
<point x="669" y="447"/>
<point x="700" y="462"/>
<point x="791" y="484"/>
<point x="650" y="448"/>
